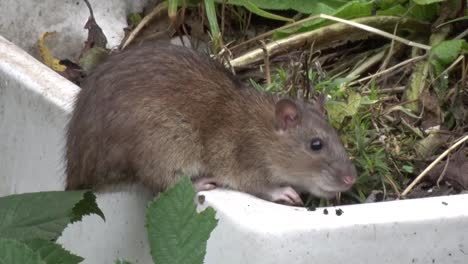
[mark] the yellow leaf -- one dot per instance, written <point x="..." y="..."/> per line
<point x="47" y="56"/>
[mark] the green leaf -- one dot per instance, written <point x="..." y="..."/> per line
<point x="52" y="253"/>
<point x="418" y="82"/>
<point x="86" y="206"/>
<point x="386" y="4"/>
<point x="303" y="6"/>
<point x="353" y="9"/>
<point x="397" y="10"/>
<point x="214" y="27"/>
<point x="15" y="252"/>
<point x="447" y="51"/>
<point x="426" y="2"/>
<point x="426" y="12"/>
<point x="172" y="6"/>
<point x="254" y="9"/>
<point x="177" y="233"/>
<point x="408" y="168"/>
<point x="44" y="214"/>
<point x="337" y="111"/>
<point x="134" y="18"/>
<point x="92" y="57"/>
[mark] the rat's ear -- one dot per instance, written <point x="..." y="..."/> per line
<point x="287" y="114"/>
<point x="319" y="104"/>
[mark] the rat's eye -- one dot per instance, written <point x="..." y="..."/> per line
<point x="316" y="144"/>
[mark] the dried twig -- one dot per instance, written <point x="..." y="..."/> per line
<point x="398" y="89"/>
<point x="425" y="171"/>
<point x="441" y="176"/>
<point x="403" y="63"/>
<point x="368" y="62"/>
<point x="333" y="32"/>
<point x="449" y="68"/>
<point x="156" y="11"/>
<point x="267" y="64"/>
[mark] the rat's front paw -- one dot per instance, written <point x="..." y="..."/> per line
<point x="285" y="195"/>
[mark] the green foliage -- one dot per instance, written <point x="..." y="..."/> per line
<point x="256" y="10"/>
<point x="370" y="158"/>
<point x="349" y="10"/>
<point x="447" y="51"/>
<point x="51" y="252"/>
<point x="278" y="82"/>
<point x="420" y="10"/>
<point x="423" y="12"/>
<point x="12" y="251"/>
<point x="426" y="2"/>
<point x="396" y="10"/>
<point x="31" y="222"/>
<point x="339" y="110"/>
<point x="134" y="18"/>
<point x="176" y="232"/>
<point x="24" y="217"/>
<point x="213" y="21"/>
<point x="303" y="6"/>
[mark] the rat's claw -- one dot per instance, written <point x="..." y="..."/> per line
<point x="204" y="184"/>
<point x="286" y="195"/>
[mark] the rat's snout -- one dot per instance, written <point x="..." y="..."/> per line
<point x="349" y="180"/>
<point x="349" y="175"/>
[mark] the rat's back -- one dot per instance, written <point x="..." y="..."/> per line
<point x="139" y="116"/>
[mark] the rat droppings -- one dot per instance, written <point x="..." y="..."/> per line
<point x="444" y="203"/>
<point x="325" y="211"/>
<point x="339" y="212"/>
<point x="201" y="199"/>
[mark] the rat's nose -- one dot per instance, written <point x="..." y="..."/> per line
<point x="349" y="180"/>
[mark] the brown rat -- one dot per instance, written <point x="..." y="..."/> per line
<point x="153" y="113"/>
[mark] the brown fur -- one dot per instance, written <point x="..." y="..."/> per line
<point x="153" y="113"/>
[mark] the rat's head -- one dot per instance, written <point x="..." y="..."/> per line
<point x="309" y="155"/>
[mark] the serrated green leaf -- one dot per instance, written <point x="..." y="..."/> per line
<point x="42" y="215"/>
<point x="52" y="253"/>
<point x="86" y="206"/>
<point x="15" y="252"/>
<point x="177" y="233"/>
<point x="447" y="51"/>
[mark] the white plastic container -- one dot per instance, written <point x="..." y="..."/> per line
<point x="35" y="104"/>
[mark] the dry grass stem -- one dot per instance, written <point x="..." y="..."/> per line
<point x="425" y="171"/>
<point x="397" y="89"/>
<point x="403" y="63"/>
<point x="156" y="11"/>
<point x="326" y="35"/>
